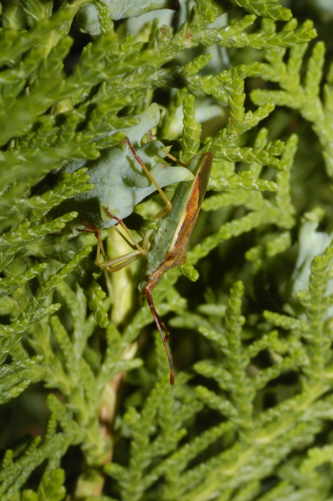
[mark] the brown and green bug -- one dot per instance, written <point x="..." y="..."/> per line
<point x="169" y="245"/>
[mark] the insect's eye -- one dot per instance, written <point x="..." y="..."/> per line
<point x="150" y="278"/>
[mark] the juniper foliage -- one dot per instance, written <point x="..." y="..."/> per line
<point x="249" y="416"/>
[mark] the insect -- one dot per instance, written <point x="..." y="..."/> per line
<point x="169" y="245"/>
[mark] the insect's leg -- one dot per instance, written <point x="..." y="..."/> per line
<point x="124" y="261"/>
<point x="142" y="250"/>
<point x="129" y="258"/>
<point x="168" y="204"/>
<point x="161" y="325"/>
<point x="175" y="159"/>
<point x="130" y="244"/>
<point x="98" y="234"/>
<point x="121" y="262"/>
<point x="172" y="157"/>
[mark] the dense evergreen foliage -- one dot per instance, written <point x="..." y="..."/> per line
<point x="87" y="411"/>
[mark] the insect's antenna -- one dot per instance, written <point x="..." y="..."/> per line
<point x="161" y="325"/>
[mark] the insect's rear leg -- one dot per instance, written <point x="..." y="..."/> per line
<point x="161" y="327"/>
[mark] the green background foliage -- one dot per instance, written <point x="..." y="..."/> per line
<point x="87" y="411"/>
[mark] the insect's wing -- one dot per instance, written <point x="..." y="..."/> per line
<point x="204" y="167"/>
<point x="193" y="195"/>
